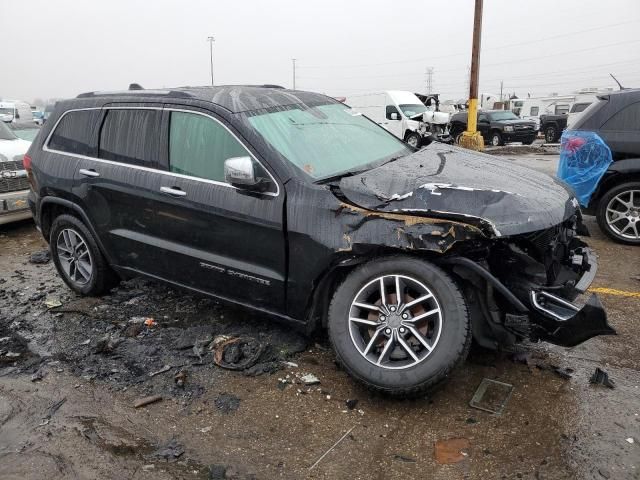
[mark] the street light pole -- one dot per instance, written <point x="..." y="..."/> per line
<point x="472" y="138"/>
<point x="293" y="60"/>
<point x="211" y="40"/>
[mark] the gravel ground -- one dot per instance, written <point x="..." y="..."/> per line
<point x="72" y="368"/>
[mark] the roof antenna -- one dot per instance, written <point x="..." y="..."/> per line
<point x="137" y="86"/>
<point x="619" y="84"/>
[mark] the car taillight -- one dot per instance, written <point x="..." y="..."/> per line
<point x="26" y="163"/>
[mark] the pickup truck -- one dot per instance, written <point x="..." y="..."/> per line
<point x="551" y="126"/>
<point x="496" y="127"/>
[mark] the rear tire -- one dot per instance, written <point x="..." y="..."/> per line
<point x="550" y="134"/>
<point x="361" y="348"/>
<point x="618" y="221"/>
<point x="77" y="257"/>
<point x="496" y="139"/>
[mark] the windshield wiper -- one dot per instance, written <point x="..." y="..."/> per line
<point x="339" y="176"/>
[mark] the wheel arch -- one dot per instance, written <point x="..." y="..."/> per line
<point x="50" y="207"/>
<point x="613" y="179"/>
<point x="327" y="282"/>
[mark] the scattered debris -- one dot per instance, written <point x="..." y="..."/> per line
<point x="54" y="408"/>
<point x="217" y="472"/>
<point x="106" y="344"/>
<point x="310" y="379"/>
<point x="600" y="377"/>
<point x="227" y="402"/>
<point x="39" y="375"/>
<point x="630" y="440"/>
<point x="237" y="353"/>
<point x="206" y="429"/>
<point x="86" y="342"/>
<point x="332" y="447"/>
<point x="564" y="373"/>
<point x="290" y="364"/>
<point x="40" y="257"/>
<point x="604" y="473"/>
<point x="143" y="402"/>
<point x="170" y="452"/>
<point x="453" y="450"/>
<point x="52" y="302"/>
<point x="521" y="357"/>
<point x="260" y="368"/>
<point x="402" y="458"/>
<point x="166" y="368"/>
<point x="180" y="378"/>
<point x="491" y="396"/>
<point x="351" y="403"/>
<point x="150" y="322"/>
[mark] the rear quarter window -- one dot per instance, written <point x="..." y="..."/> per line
<point x="131" y="136"/>
<point x="74" y="133"/>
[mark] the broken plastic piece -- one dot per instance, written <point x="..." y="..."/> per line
<point x="453" y="450"/>
<point x="491" y="396"/>
<point x="600" y="377"/>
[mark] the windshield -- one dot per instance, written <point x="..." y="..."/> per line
<point x="6" y="111"/>
<point x="328" y="140"/>
<point x="6" y="133"/>
<point x="412" y="110"/>
<point x="506" y="115"/>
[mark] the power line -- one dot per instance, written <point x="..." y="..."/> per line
<point x="602" y="27"/>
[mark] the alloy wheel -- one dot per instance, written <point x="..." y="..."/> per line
<point x="623" y="214"/>
<point x="395" y="322"/>
<point x="495" y="141"/>
<point x="74" y="256"/>
<point x="413" y="141"/>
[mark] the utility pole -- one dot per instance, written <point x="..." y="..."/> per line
<point x="429" y="79"/>
<point x="211" y="40"/>
<point x="471" y="138"/>
<point x="293" y="61"/>
<point x="501" y="85"/>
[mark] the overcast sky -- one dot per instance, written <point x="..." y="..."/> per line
<point x="59" y="48"/>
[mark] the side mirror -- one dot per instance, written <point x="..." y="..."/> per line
<point x="240" y="172"/>
<point x="394" y="116"/>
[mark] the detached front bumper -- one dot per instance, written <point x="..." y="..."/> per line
<point x="558" y="321"/>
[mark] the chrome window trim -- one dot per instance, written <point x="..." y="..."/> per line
<point x="45" y="147"/>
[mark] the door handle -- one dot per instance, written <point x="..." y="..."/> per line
<point x="173" y="191"/>
<point x="89" y="173"/>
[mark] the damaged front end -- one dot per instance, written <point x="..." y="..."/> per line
<point x="524" y="286"/>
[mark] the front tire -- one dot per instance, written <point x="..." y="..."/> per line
<point x="414" y="140"/>
<point x="399" y="325"/>
<point x="496" y="139"/>
<point x="618" y="213"/>
<point x="77" y="257"/>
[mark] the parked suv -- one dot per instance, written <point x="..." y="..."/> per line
<point x="290" y="203"/>
<point x="496" y="127"/>
<point x="615" y="117"/>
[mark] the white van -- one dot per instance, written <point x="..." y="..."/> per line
<point x="398" y="111"/>
<point x="15" y="111"/>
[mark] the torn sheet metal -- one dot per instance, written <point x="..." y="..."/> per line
<point x="506" y="199"/>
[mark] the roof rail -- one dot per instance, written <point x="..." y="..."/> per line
<point x="155" y="93"/>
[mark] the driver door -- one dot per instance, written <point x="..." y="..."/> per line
<point x="483" y="125"/>
<point x="215" y="237"/>
<point x="394" y="121"/>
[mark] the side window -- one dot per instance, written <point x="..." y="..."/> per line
<point x="626" y="120"/>
<point x="199" y="145"/>
<point x="482" y="117"/>
<point x="535" y="111"/>
<point x="74" y="133"/>
<point x="392" y="109"/>
<point x="131" y="136"/>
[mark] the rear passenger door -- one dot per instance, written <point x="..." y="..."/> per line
<point x="217" y="238"/>
<point x="119" y="185"/>
<point x="622" y="131"/>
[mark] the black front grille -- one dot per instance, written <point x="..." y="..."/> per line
<point x="12" y="184"/>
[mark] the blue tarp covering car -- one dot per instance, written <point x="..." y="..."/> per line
<point x="584" y="159"/>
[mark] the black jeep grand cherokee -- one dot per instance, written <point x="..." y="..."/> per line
<point x="290" y="203"/>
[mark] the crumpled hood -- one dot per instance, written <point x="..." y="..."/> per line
<point x="450" y="182"/>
